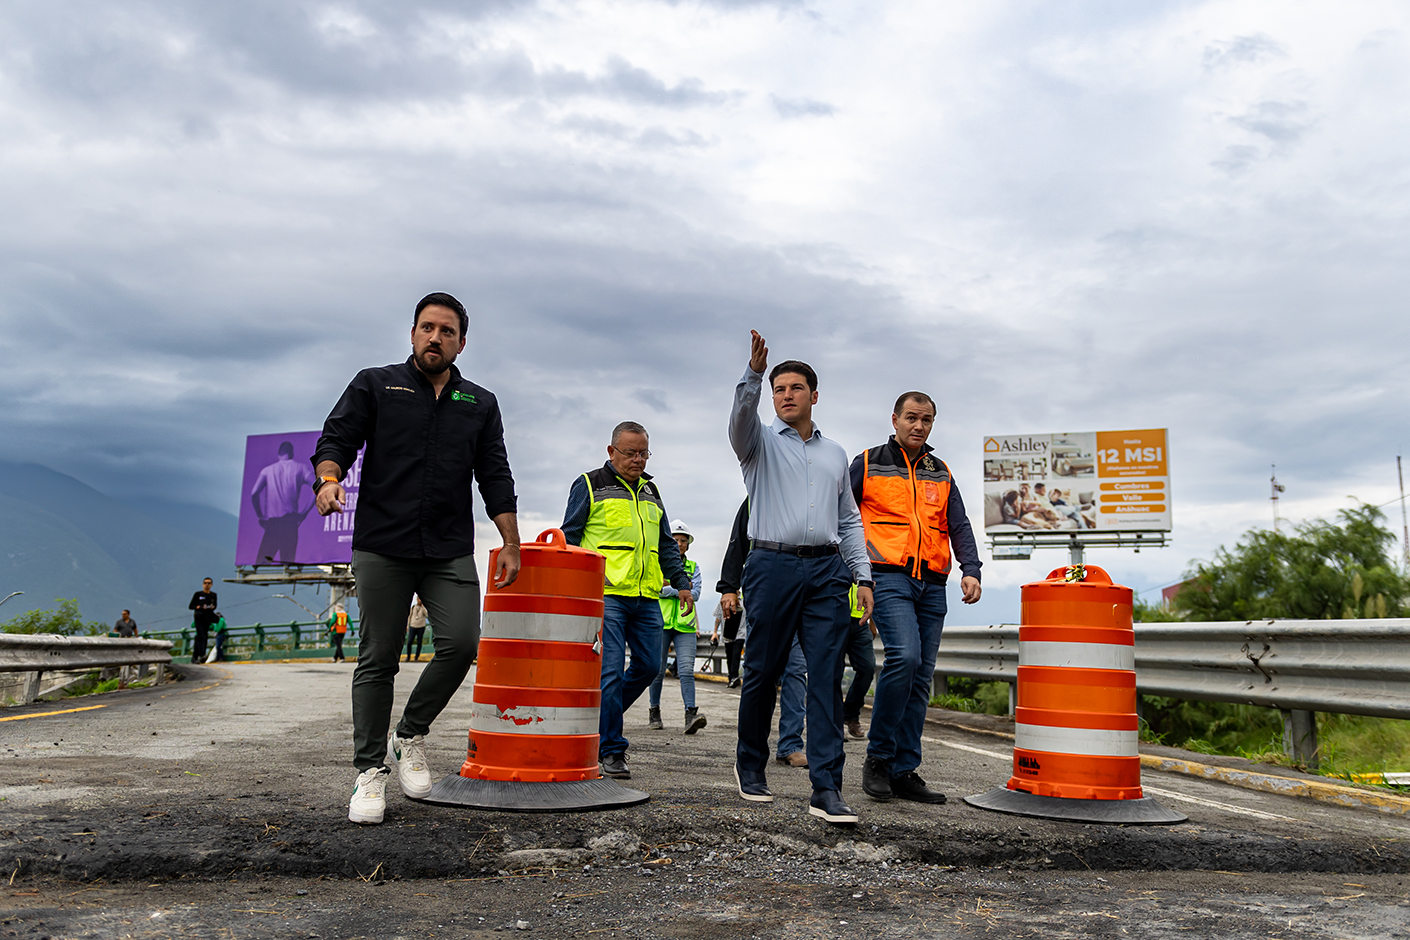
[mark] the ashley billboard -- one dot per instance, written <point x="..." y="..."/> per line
<point x="278" y="524"/>
<point x="1102" y="480"/>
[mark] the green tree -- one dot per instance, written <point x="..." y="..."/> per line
<point x="64" y="621"/>
<point x="1321" y="570"/>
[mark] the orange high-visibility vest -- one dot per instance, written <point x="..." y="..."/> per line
<point x="904" y="511"/>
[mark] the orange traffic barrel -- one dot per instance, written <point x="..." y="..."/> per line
<point x="537" y="694"/>
<point x="1076" y="733"/>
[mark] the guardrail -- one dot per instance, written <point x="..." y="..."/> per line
<point x="1356" y="667"/>
<point x="293" y="640"/>
<point x="37" y="654"/>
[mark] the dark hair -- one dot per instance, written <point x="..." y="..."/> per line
<point x="798" y="368"/>
<point x="1010" y="496"/>
<point x="286" y="448"/>
<point x="915" y="396"/>
<point x="439" y="299"/>
<point x="628" y="427"/>
<point x="1040" y="486"/>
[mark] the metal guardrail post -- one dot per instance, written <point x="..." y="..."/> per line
<point x="1300" y="736"/>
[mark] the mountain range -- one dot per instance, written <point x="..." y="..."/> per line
<point x="60" y="537"/>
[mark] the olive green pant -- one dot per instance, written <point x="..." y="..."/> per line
<point x="450" y="589"/>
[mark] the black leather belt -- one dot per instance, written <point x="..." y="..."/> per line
<point x="802" y="551"/>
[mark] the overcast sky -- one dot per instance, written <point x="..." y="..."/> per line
<point x="1052" y="217"/>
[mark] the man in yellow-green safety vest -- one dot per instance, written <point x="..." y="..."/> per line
<point x="682" y="630"/>
<point x="616" y="510"/>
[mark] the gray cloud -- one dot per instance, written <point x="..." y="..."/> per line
<point x="1281" y="122"/>
<point x="801" y="107"/>
<point x="1243" y="50"/>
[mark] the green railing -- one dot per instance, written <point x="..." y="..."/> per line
<point x="292" y="640"/>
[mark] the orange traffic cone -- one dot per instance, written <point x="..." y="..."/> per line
<point x="537" y="695"/>
<point x="1076" y="733"/>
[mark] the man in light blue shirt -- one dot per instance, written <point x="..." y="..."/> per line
<point x="807" y="549"/>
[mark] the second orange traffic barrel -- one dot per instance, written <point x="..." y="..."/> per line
<point x="1076" y="734"/>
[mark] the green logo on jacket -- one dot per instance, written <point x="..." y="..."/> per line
<point x="462" y="396"/>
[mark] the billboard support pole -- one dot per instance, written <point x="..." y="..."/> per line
<point x="1076" y="549"/>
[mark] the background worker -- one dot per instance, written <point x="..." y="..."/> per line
<point x="125" y="626"/>
<point x="338" y="630"/>
<point x="429" y="432"/>
<point x="617" y="510"/>
<point x="680" y="629"/>
<point x="861" y="655"/>
<point x="914" y="519"/>
<point x="793" y="686"/>
<point x="803" y="523"/>
<point x="222" y="633"/>
<point x="415" y="627"/>
<point x="203" y="604"/>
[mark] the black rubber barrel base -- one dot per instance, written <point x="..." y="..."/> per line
<point x="1142" y="812"/>
<point x="575" y="796"/>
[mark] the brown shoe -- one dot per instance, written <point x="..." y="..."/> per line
<point x="854" y="728"/>
<point x="796" y="759"/>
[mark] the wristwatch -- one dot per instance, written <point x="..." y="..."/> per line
<point x="866" y="584"/>
<point x="322" y="480"/>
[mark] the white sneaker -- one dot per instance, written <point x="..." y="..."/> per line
<point x="408" y="756"/>
<point x="369" y="797"/>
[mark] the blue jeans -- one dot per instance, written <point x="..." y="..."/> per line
<point x="909" y="616"/>
<point x="863" y="658"/>
<point x="792" y="700"/>
<point x="685" y="666"/>
<point x="626" y="622"/>
<point x="805" y="598"/>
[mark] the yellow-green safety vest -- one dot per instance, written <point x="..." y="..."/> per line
<point x="857" y="612"/>
<point x="671" y="618"/>
<point x="624" y="525"/>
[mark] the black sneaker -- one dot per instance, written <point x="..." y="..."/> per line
<point x="653" y="720"/>
<point x="734" y="683"/>
<point x="615" y="765"/>
<point x="694" y="721"/>
<point x="752" y="786"/>
<point x="876" y="779"/>
<point x="829" y="805"/>
<point x="909" y="786"/>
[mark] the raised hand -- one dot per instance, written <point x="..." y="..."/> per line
<point x="758" y="352"/>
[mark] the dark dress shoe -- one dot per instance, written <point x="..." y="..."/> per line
<point x="876" y="779"/>
<point x="828" y="804"/>
<point x="615" y="765"/>
<point x="909" y="786"/>
<point x="752" y="786"/>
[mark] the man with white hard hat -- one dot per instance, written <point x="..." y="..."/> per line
<point x="680" y="628"/>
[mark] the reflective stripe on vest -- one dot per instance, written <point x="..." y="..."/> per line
<point x="671" y="618"/>
<point x="904" y="510"/>
<point x="624" y="525"/>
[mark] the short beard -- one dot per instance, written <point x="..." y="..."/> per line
<point x="429" y="369"/>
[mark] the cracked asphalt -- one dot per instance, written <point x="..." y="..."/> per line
<point x="216" y="807"/>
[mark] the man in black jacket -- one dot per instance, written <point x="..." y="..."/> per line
<point x="203" y="604"/>
<point x="428" y="432"/>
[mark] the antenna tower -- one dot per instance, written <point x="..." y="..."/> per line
<point x="1277" y="488"/>
<point x="1405" y="527"/>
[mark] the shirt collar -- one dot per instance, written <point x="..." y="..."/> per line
<point x="613" y="470"/>
<point x="780" y="426"/>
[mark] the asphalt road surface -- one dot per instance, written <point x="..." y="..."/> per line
<point x="216" y="807"/>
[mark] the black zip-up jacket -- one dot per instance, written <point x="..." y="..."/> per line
<point x="413" y="497"/>
<point x="732" y="568"/>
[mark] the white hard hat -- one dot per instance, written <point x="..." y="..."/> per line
<point x="680" y="528"/>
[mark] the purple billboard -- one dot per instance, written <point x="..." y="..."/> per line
<point x="278" y="524"/>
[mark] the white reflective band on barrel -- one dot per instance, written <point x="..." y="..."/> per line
<point x="1089" y="741"/>
<point x="1080" y="655"/>
<point x="533" y="719"/>
<point x="515" y="625"/>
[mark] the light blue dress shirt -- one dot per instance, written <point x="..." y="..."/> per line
<point x="799" y="491"/>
